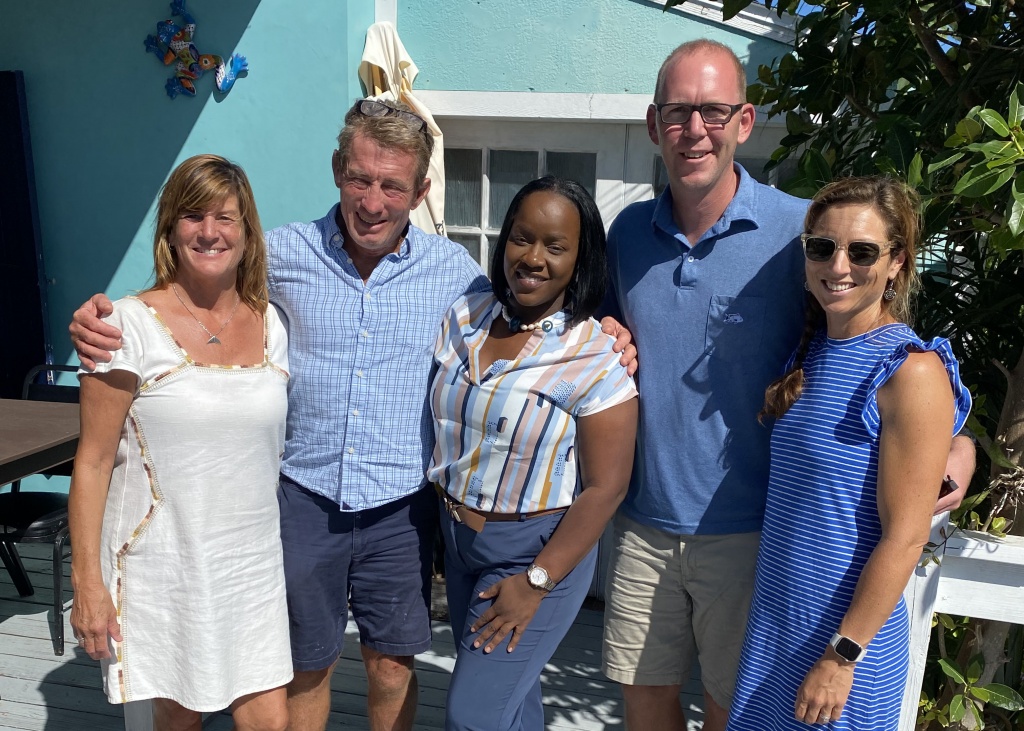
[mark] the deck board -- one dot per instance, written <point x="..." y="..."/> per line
<point x="42" y="692"/>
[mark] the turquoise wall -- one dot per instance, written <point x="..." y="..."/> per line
<point x="105" y="136"/>
<point x="598" y="46"/>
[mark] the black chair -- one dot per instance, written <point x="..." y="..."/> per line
<point x="39" y="517"/>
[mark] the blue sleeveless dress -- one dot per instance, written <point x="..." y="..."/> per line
<point x="821" y="524"/>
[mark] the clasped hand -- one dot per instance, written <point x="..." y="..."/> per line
<point x="515" y="603"/>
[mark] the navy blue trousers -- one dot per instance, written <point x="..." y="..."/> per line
<point x="500" y="690"/>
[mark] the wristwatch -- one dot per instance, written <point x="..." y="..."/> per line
<point x="537" y="577"/>
<point x="847" y="648"/>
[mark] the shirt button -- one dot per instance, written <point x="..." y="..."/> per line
<point x="364" y="334"/>
<point x="368" y="296"/>
<point x="359" y="374"/>
<point x="689" y="258"/>
<point x="351" y="450"/>
<point x="355" y="412"/>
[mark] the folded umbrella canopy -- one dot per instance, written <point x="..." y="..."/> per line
<point x="387" y="72"/>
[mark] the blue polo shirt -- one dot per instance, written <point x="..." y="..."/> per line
<point x="714" y="323"/>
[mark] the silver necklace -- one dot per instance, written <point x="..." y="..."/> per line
<point x="214" y="340"/>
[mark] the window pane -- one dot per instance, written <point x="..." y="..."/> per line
<point x="578" y="166"/>
<point x="660" y="176"/>
<point x="470" y="241"/>
<point x="509" y="171"/>
<point x="462" y="187"/>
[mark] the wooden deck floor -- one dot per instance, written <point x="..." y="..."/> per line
<point x="42" y="692"/>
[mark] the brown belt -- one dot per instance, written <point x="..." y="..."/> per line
<point x="476" y="519"/>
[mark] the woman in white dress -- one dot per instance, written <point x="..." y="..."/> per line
<point x="179" y="586"/>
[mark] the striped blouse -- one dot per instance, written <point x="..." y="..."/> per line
<point x="506" y="438"/>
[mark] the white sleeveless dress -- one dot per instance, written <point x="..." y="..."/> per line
<point x="191" y="549"/>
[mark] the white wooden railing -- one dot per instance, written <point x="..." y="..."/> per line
<point x="978" y="576"/>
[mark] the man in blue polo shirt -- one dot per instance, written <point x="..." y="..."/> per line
<point x="708" y="278"/>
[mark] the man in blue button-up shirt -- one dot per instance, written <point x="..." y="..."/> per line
<point x="363" y="292"/>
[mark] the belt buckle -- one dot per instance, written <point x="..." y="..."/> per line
<point x="453" y="509"/>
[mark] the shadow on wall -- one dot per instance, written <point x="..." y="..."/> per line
<point x="104" y="133"/>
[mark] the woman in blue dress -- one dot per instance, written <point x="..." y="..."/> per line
<point x="865" y="415"/>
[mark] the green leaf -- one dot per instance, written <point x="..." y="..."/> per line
<point x="975" y="714"/>
<point x="815" y="167"/>
<point x="1016" y="109"/>
<point x="969" y="130"/>
<point x="764" y="73"/>
<point x="1004" y="697"/>
<point x="998" y="525"/>
<point x="731" y="8"/>
<point x="956" y="708"/>
<point x="914" y="178"/>
<point x="1015" y="216"/>
<point x="951" y="670"/>
<point x="980" y="694"/>
<point x="954" y="140"/>
<point x="995" y="120"/>
<point x="1018" y="189"/>
<point x="974" y="668"/>
<point x="973" y="185"/>
<point x="946" y="161"/>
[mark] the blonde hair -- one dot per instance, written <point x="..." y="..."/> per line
<point x="898" y="205"/>
<point x="692" y="48"/>
<point x="390" y="133"/>
<point x="198" y="184"/>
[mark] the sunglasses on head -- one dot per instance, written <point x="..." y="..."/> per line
<point x="860" y="253"/>
<point x="374" y="108"/>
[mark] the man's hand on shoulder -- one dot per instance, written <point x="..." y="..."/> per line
<point x="93" y="339"/>
<point x="623" y="343"/>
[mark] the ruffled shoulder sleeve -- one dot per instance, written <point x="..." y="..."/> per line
<point x="889" y="365"/>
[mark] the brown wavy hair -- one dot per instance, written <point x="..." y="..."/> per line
<point x="198" y="184"/>
<point x="899" y="207"/>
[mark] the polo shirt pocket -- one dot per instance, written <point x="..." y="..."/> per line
<point x="735" y="327"/>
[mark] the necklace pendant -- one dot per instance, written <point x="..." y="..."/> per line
<point x="214" y="340"/>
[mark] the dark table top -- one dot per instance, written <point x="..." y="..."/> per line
<point x="35" y="436"/>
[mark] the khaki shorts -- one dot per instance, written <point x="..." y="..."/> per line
<point x="672" y="597"/>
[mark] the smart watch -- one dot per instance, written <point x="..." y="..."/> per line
<point x="537" y="577"/>
<point x="847" y="648"/>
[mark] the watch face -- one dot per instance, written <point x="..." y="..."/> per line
<point x="538" y="576"/>
<point x="847" y="649"/>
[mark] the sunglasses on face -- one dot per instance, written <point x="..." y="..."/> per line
<point x="374" y="108"/>
<point x="860" y="253"/>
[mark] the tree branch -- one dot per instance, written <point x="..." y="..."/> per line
<point x="930" y="44"/>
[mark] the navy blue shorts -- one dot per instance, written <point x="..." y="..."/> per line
<point x="375" y="561"/>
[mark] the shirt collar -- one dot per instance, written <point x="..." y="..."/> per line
<point x="334" y="237"/>
<point x="740" y="208"/>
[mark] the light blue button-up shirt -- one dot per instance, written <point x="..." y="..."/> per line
<point x="360" y="354"/>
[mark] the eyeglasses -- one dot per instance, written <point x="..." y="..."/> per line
<point x="680" y="113"/>
<point x="860" y="253"/>
<point x="374" y="108"/>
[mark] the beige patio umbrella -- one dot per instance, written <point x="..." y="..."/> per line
<point x="387" y="72"/>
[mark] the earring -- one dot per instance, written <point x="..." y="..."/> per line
<point x="890" y="292"/>
<point x="807" y="287"/>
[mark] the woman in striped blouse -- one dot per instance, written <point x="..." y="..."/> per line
<point x="865" y="416"/>
<point x="535" y="421"/>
